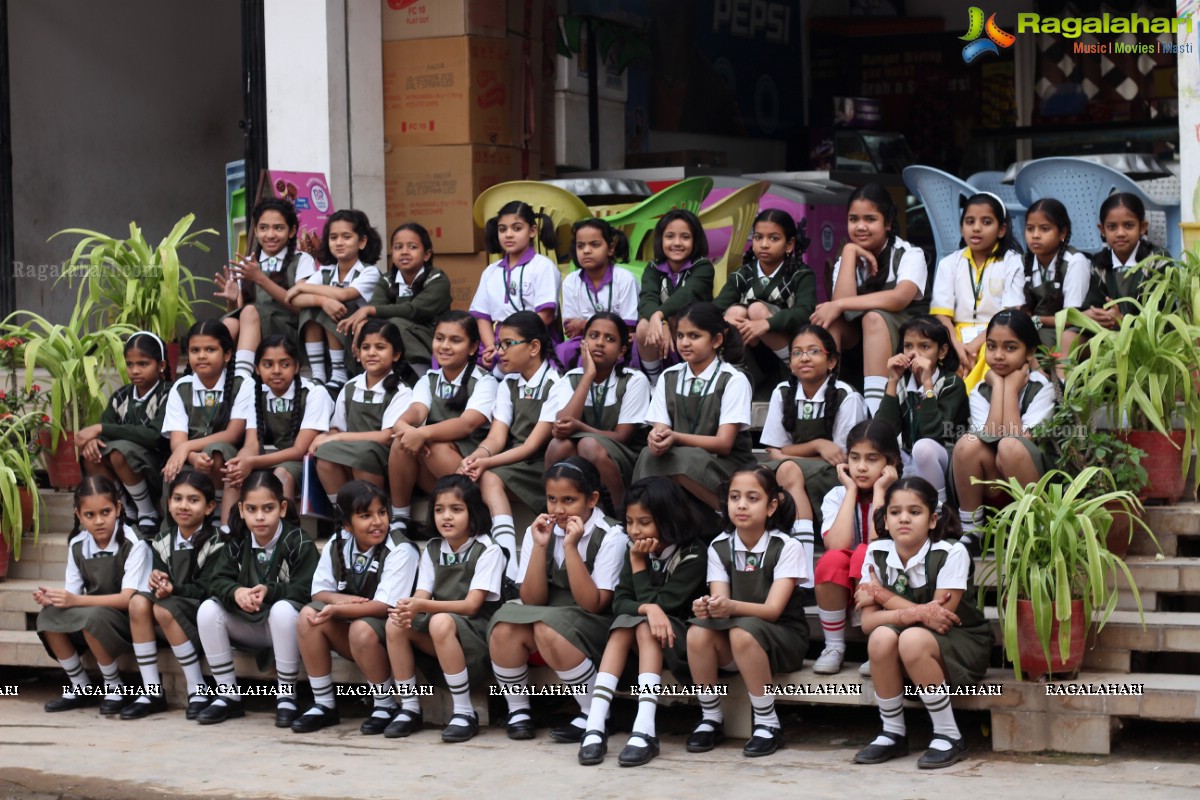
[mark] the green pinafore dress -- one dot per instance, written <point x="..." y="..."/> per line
<point x="277" y="416"/>
<point x="186" y="569"/>
<point x="604" y="417"/>
<point x="698" y="414"/>
<point x="453" y="573"/>
<point x="440" y="393"/>
<point x="966" y="649"/>
<point x="1041" y="461"/>
<point x="362" y="578"/>
<point x="273" y="318"/>
<point x="1042" y="306"/>
<point x="819" y="475"/>
<point x="149" y="412"/>
<point x="202" y="419"/>
<point x="360" y="417"/>
<point x="328" y="277"/>
<point x="785" y="640"/>
<point x="524" y="478"/>
<point x="102" y="574"/>
<point x="896" y="319"/>
<point x="587" y="632"/>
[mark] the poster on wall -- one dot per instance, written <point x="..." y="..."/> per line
<point x="309" y="193"/>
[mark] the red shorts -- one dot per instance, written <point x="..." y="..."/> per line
<point x="843" y="567"/>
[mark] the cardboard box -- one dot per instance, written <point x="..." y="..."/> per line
<point x="426" y="19"/>
<point x="528" y="18"/>
<point x="456" y="90"/>
<point x="571" y="139"/>
<point x="464" y="270"/>
<point x="437" y="187"/>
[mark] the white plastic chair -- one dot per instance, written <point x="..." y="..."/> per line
<point x="993" y="181"/>
<point x="940" y="193"/>
<point x="1082" y="187"/>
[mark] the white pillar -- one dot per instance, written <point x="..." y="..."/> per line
<point x="1189" y="112"/>
<point x="325" y="96"/>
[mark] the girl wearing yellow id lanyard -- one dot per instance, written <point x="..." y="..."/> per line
<point x="603" y="406"/>
<point x="969" y="285"/>
<point x="596" y="285"/>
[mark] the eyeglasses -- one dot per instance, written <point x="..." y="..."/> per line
<point x="812" y="352"/>
<point x="504" y="344"/>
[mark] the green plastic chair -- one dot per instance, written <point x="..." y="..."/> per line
<point x="638" y="222"/>
<point x="736" y="211"/>
<point x="563" y="208"/>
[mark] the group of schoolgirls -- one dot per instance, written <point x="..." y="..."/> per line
<point x="474" y="443"/>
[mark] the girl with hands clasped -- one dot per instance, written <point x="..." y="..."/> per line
<point x="362" y="571"/>
<point x="458" y="588"/>
<point x="1013" y="398"/>
<point x="664" y="569"/>
<point x="184" y="562"/>
<point x="752" y="619"/>
<point x="106" y="565"/>
<point x="916" y="597"/>
<point x="570" y="562"/>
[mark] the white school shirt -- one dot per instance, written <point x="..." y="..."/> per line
<point x="176" y="418"/>
<point x="318" y="406"/>
<point x="832" y="503"/>
<point x="953" y="295"/>
<point x="481" y="399"/>
<point x="953" y="574"/>
<point x="852" y="411"/>
<point x="137" y="565"/>
<point x="540" y="384"/>
<point x="1077" y="275"/>
<point x="361" y="278"/>
<point x="489" y="568"/>
<point x="912" y="268"/>
<point x="374" y="395"/>
<point x="791" y="557"/>
<point x="633" y="407"/>
<point x="399" y="570"/>
<point x="1040" y="408"/>
<point x="618" y="293"/>
<point x="607" y="568"/>
<point x="532" y="285"/>
<point x="735" y="401"/>
<point x="403" y="287"/>
<point x="306" y="266"/>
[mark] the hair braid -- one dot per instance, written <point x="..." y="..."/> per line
<point x="259" y="403"/>
<point x="297" y="408"/>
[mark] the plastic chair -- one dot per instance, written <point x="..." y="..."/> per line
<point x="638" y="222"/>
<point x="563" y="208"/>
<point x="940" y="193"/>
<point x="1082" y="187"/>
<point x="737" y="212"/>
<point x="994" y="182"/>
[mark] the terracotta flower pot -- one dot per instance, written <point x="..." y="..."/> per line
<point x="62" y="465"/>
<point x="173" y="357"/>
<point x="1118" y="535"/>
<point x="26" y="497"/>
<point x="1163" y="463"/>
<point x="1033" y="659"/>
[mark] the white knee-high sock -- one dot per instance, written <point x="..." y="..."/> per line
<point x="460" y="692"/>
<point x="316" y="360"/>
<point x="112" y="680"/>
<point x="891" y="713"/>
<point x="189" y="662"/>
<point x="147" y="659"/>
<point x="337" y="365"/>
<point x="764" y="713"/>
<point x="75" y="673"/>
<point x="644" y="723"/>
<point x="243" y="364"/>
<point x="711" y="714"/>
<point x="602" y="697"/>
<point x="833" y="623"/>
<point x="140" y="492"/>
<point x="874" y="387"/>
<point x="942" y="716"/>
<point x="513" y="678"/>
<point x="584" y="675"/>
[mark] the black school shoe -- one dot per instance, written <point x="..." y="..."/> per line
<point x="592" y="754"/>
<point x="522" y="728"/>
<point x="144" y="707"/>
<point x="316" y="718"/>
<point x="404" y="724"/>
<point x="196" y="704"/>
<point x="569" y="733"/>
<point x="114" y="706"/>
<point x="879" y="753"/>
<point x="377" y="723"/>
<point x="70" y="702"/>
<point x="937" y="759"/>
<point x="759" y="746"/>
<point x="635" y="755"/>
<point x="703" y="741"/>
<point x="221" y="709"/>
<point x="285" y="712"/>
<point x="462" y="728"/>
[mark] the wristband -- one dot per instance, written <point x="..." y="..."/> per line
<point x="484" y="449"/>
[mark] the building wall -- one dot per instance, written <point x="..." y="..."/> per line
<point x="123" y="110"/>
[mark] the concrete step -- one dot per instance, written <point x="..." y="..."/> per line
<point x="1177" y="529"/>
<point x="1158" y="580"/>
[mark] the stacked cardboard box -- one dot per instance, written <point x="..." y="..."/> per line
<point x="461" y="85"/>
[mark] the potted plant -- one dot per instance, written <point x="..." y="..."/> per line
<point x="129" y="282"/>
<point x="1054" y="576"/>
<point x="20" y="503"/>
<point x="1140" y="374"/>
<point x="83" y="367"/>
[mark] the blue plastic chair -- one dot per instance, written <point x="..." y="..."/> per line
<point x="1082" y="187"/>
<point x="994" y="182"/>
<point x="940" y="193"/>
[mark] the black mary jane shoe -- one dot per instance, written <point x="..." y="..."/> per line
<point x="196" y="704"/>
<point x="405" y="723"/>
<point x="220" y="710"/>
<point x="70" y="702"/>
<point x="758" y="746"/>
<point x="377" y="723"/>
<point x="285" y="712"/>
<point x="633" y="755"/>
<point x="522" y="728"/>
<point x="703" y="741"/>
<point x="569" y="733"/>
<point x="154" y="704"/>
<point x="592" y="754"/>
<point x="462" y="728"/>
<point x="879" y="753"/>
<point x="112" y="707"/>
<point x="938" y="759"/>
<point x="316" y="718"/>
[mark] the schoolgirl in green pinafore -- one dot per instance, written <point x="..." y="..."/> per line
<point x="808" y="418"/>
